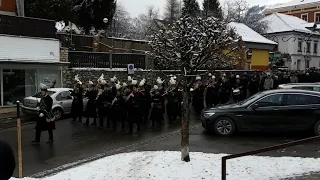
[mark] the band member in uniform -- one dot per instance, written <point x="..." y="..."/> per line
<point x="91" y="110"/>
<point x="212" y="98"/>
<point x="237" y="91"/>
<point x="157" y="110"/>
<point x="134" y="102"/>
<point x="45" y="122"/>
<point x="173" y="101"/>
<point x="198" y="96"/>
<point x="146" y="101"/>
<point x="225" y="89"/>
<point x="117" y="108"/>
<point x="77" y="103"/>
<point x="101" y="100"/>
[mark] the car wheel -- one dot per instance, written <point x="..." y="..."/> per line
<point x="224" y="126"/>
<point x="58" y="113"/>
<point x="317" y="129"/>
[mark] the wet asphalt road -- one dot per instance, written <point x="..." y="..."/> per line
<point x="74" y="141"/>
<point x="203" y="141"/>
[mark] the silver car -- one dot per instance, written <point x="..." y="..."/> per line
<point x="302" y="86"/>
<point x="62" y="101"/>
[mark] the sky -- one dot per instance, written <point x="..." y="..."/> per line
<point x="136" y="7"/>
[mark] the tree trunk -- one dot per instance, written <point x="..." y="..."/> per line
<point x="185" y="125"/>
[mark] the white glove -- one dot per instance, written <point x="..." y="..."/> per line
<point x="41" y="115"/>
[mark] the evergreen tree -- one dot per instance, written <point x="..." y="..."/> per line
<point x="172" y="10"/>
<point x="90" y="13"/>
<point x="212" y="8"/>
<point x="190" y="8"/>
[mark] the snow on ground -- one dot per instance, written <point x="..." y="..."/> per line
<point x="166" y="165"/>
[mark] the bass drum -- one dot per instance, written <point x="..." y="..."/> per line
<point x="236" y="92"/>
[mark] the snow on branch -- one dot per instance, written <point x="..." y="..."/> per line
<point x="193" y="43"/>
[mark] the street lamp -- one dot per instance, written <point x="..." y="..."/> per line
<point x="105" y="21"/>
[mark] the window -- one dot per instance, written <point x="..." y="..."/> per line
<point x="299" y="45"/>
<point x="316" y="89"/>
<point x="317" y="18"/>
<point x="64" y="96"/>
<point x="307" y="63"/>
<point x="315" y="47"/>
<point x="298" y="99"/>
<point x="308" y="47"/>
<point x="314" y="100"/>
<point x="304" y="17"/>
<point x="272" y="100"/>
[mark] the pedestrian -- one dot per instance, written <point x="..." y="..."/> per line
<point x="91" y="110"/>
<point x="7" y="161"/>
<point x="45" y="118"/>
<point x="134" y="101"/>
<point x="77" y="103"/>
<point x="157" y="109"/>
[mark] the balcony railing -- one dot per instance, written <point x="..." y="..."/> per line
<point x="24" y="26"/>
<point x="80" y="59"/>
<point x="76" y="42"/>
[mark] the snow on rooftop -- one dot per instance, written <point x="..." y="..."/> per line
<point x="167" y="165"/>
<point x="278" y="22"/>
<point x="248" y="34"/>
<point x="294" y="3"/>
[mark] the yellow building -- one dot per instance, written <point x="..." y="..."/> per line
<point x="256" y="44"/>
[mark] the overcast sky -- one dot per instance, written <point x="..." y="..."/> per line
<point x="135" y="7"/>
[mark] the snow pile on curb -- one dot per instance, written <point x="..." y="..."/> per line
<point x="166" y="165"/>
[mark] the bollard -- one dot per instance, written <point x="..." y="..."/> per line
<point x="19" y="140"/>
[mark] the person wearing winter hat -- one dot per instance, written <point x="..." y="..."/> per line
<point x="198" y="99"/>
<point x="77" y="102"/>
<point x="158" y="108"/>
<point x="90" y="111"/>
<point x="7" y="161"/>
<point x="44" y="122"/>
<point x="134" y="102"/>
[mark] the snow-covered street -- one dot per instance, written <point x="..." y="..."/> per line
<point x="166" y="165"/>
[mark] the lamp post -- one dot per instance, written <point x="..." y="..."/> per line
<point x="105" y="21"/>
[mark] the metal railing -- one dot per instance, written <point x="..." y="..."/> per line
<point x="81" y="59"/>
<point x="25" y="26"/>
<point x="258" y="151"/>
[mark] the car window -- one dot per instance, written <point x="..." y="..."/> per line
<point x="309" y="88"/>
<point x="298" y="99"/>
<point x="63" y="96"/>
<point x="316" y="89"/>
<point x="314" y="100"/>
<point x="272" y="100"/>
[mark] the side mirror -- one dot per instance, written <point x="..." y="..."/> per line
<point x="254" y="106"/>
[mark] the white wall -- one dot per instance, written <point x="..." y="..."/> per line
<point x="29" y="49"/>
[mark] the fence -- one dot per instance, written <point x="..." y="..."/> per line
<point x="80" y="59"/>
<point x="76" y="42"/>
<point x="24" y="26"/>
<point x="272" y="148"/>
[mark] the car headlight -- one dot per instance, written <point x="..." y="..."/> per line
<point x="208" y="114"/>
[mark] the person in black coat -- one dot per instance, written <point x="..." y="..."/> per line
<point x="101" y="102"/>
<point x="134" y="101"/>
<point x="157" y="110"/>
<point x="7" y="161"/>
<point x="77" y="103"/>
<point x="45" y="122"/>
<point x="91" y="111"/>
<point x="198" y="96"/>
<point x="117" y="109"/>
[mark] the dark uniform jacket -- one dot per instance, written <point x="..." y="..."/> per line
<point x="45" y="108"/>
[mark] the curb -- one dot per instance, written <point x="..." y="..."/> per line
<point x="124" y="149"/>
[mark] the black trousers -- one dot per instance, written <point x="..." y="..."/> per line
<point x="38" y="134"/>
<point x="134" y="116"/>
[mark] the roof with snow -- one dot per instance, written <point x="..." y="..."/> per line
<point x="249" y="35"/>
<point x="278" y="22"/>
<point x="293" y="3"/>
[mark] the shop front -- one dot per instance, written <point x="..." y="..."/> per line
<point x="24" y="64"/>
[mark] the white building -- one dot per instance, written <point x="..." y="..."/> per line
<point x="294" y="39"/>
<point x="29" y="55"/>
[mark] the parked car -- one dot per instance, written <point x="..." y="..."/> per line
<point x="275" y="110"/>
<point x="303" y="86"/>
<point x="62" y="101"/>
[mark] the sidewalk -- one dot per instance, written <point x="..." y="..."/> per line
<point x="312" y="176"/>
<point x="8" y="120"/>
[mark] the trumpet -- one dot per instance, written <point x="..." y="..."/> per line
<point x="168" y="92"/>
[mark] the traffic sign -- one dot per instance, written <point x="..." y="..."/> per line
<point x="130" y="68"/>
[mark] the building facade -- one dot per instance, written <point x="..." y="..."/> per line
<point x="308" y="10"/>
<point x="8" y="7"/>
<point x="29" y="55"/>
<point x="300" y="43"/>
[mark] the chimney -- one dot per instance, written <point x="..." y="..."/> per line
<point x="20" y="7"/>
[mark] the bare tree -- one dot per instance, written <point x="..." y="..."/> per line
<point x="190" y="44"/>
<point x="143" y="24"/>
<point x="122" y="26"/>
<point x="172" y="10"/>
<point x="239" y="11"/>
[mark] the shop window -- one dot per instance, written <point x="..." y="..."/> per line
<point x="304" y="17"/>
<point x="17" y="84"/>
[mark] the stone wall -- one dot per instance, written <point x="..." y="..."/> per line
<point x="121" y="74"/>
<point x="64" y="54"/>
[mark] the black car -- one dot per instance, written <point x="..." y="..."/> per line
<point x="275" y="110"/>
